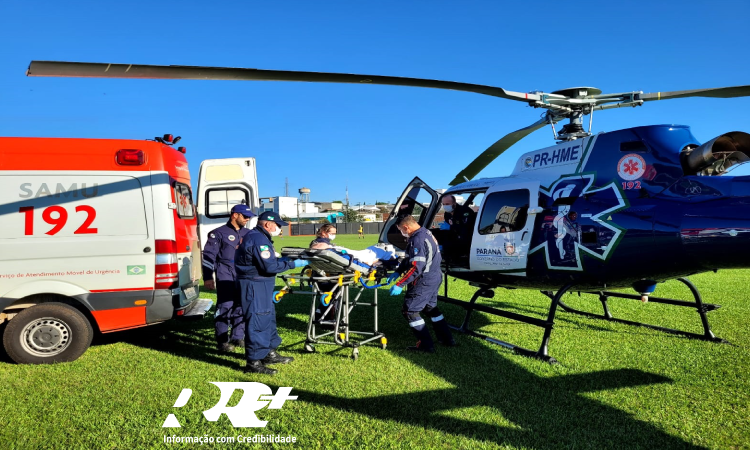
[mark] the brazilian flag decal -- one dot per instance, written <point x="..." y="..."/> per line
<point x="136" y="270"/>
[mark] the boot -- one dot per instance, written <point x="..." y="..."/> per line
<point x="225" y="347"/>
<point x="421" y="348"/>
<point x="424" y="341"/>
<point x="256" y="366"/>
<point x="239" y="343"/>
<point x="443" y="333"/>
<point x="274" y="358"/>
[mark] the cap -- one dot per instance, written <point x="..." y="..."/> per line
<point x="244" y="210"/>
<point x="272" y="217"/>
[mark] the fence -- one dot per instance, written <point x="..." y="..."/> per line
<point x="309" y="229"/>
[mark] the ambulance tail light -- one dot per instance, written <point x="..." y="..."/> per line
<point x="166" y="273"/>
<point x="130" y="157"/>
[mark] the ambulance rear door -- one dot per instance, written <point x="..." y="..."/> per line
<point x="223" y="183"/>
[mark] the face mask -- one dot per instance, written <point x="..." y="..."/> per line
<point x="276" y="232"/>
<point x="404" y="234"/>
<point x="448" y="208"/>
<point x="331" y="236"/>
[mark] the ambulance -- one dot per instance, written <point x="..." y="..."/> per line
<point x="97" y="235"/>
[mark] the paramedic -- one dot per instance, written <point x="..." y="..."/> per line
<point x="421" y="271"/>
<point x="257" y="267"/>
<point x="460" y="220"/>
<point x="218" y="258"/>
<point x="325" y="235"/>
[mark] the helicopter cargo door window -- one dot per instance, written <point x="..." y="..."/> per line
<point x="503" y="232"/>
<point x="222" y="184"/>
<point x="418" y="200"/>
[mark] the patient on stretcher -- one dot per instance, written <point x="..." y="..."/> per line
<point x="371" y="256"/>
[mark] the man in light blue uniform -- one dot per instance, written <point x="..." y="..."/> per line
<point x="420" y="270"/>
<point x="218" y="259"/>
<point x="257" y="267"/>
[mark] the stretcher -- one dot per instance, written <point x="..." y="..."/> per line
<point x="328" y="278"/>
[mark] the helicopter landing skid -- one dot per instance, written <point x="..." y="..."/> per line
<point x="698" y="304"/>
<point x="547" y="324"/>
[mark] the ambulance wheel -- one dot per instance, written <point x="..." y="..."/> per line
<point x="355" y="354"/>
<point x="309" y="348"/>
<point x="47" y="333"/>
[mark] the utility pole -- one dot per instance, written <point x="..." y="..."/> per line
<point x="346" y="218"/>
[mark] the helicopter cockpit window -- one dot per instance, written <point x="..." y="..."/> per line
<point x="504" y="212"/>
<point x="633" y="147"/>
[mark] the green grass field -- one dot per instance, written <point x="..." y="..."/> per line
<point x="617" y="386"/>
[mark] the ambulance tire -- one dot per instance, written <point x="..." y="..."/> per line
<point x="47" y="333"/>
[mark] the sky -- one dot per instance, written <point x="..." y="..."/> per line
<point x="373" y="139"/>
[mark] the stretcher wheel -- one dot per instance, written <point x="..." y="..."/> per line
<point x="355" y="354"/>
<point x="309" y="348"/>
<point x="383" y="343"/>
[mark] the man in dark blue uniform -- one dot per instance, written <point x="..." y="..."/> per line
<point x="218" y="259"/>
<point x="459" y="219"/>
<point x="257" y="267"/>
<point x="420" y="270"/>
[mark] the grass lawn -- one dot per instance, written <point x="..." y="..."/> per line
<point x="617" y="386"/>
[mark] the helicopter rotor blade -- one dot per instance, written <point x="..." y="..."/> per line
<point x="724" y="92"/>
<point x="496" y="149"/>
<point x="104" y="70"/>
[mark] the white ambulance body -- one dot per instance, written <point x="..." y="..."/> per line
<point x="96" y="235"/>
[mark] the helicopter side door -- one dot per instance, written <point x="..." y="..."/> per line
<point x="502" y="234"/>
<point x="418" y="200"/>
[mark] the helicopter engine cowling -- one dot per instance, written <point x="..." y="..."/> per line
<point x="717" y="155"/>
<point x="715" y="233"/>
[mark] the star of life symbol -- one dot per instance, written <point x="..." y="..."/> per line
<point x="631" y="167"/>
<point x="612" y="200"/>
<point x="255" y="396"/>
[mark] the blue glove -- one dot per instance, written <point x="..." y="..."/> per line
<point x="299" y="263"/>
<point x="342" y="251"/>
<point x="445" y="226"/>
<point x="392" y="277"/>
<point x="396" y="290"/>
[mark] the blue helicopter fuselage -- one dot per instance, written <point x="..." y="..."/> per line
<point x="626" y="210"/>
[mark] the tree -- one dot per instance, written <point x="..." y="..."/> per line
<point x="351" y="215"/>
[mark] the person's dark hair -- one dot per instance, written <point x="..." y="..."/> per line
<point x="406" y="220"/>
<point x="325" y="229"/>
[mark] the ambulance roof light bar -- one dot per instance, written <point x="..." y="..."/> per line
<point x="168" y="139"/>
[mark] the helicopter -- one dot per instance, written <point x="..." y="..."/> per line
<point x="593" y="214"/>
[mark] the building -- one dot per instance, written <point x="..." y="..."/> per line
<point x="289" y="207"/>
